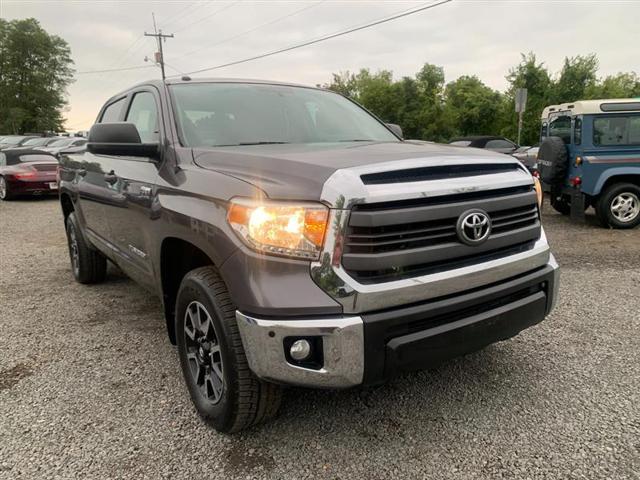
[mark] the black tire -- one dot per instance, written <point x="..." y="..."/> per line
<point x="610" y="198"/>
<point x="87" y="265"/>
<point x="553" y="160"/>
<point x="5" y="191"/>
<point x="560" y="204"/>
<point x="240" y="399"/>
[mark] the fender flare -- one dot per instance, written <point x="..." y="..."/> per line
<point x="614" y="172"/>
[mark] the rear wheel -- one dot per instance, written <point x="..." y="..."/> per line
<point x="88" y="265"/>
<point x="223" y="389"/>
<point x="619" y="206"/>
<point x="560" y="204"/>
<point x="5" y="192"/>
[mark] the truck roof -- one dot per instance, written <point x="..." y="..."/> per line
<point x="186" y="79"/>
<point x="582" y="107"/>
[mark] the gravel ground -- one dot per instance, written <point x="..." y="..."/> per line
<point x="90" y="386"/>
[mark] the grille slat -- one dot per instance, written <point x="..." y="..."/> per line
<point x="383" y="244"/>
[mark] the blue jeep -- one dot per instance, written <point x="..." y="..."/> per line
<point x="590" y="156"/>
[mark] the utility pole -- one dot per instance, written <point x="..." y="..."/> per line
<point x="160" y="37"/>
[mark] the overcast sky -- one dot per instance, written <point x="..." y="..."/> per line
<point x="483" y="38"/>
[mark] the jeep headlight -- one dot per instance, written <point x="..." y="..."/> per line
<point x="289" y="229"/>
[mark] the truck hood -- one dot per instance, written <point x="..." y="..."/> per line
<point x="299" y="171"/>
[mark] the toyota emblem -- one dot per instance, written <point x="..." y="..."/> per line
<point x="474" y="227"/>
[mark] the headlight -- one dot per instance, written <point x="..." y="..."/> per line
<point x="538" y="187"/>
<point x="280" y="228"/>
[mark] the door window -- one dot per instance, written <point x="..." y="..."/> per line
<point x="144" y="115"/>
<point x="112" y="112"/>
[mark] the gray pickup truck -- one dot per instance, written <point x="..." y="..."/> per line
<point x="295" y="239"/>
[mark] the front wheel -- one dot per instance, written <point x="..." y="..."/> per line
<point x="223" y="389"/>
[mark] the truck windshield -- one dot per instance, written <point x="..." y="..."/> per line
<point x="232" y="114"/>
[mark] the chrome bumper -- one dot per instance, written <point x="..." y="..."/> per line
<point x="342" y="344"/>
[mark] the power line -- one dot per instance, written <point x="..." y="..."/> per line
<point x="326" y="37"/>
<point x="181" y="13"/>
<point x="206" y="17"/>
<point x="86" y="72"/>
<point x="271" y="22"/>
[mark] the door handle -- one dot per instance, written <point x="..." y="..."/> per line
<point x="110" y="177"/>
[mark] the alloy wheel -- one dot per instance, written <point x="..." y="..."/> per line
<point x="625" y="207"/>
<point x="203" y="352"/>
<point x="74" y="251"/>
<point x="3" y="188"/>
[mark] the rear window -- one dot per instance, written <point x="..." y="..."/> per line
<point x="499" y="144"/>
<point x="616" y="130"/>
<point x="35" y="142"/>
<point x="461" y="143"/>
<point x="37" y="158"/>
<point x="561" y="127"/>
<point x="63" y="142"/>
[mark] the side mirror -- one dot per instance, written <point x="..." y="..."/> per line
<point x="119" y="138"/>
<point x="395" y="129"/>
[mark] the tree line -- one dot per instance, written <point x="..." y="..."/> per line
<point x="35" y="70"/>
<point x="426" y="108"/>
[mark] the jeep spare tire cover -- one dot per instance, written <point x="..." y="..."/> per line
<point x="553" y="160"/>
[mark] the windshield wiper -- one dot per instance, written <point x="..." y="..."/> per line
<point x="251" y="143"/>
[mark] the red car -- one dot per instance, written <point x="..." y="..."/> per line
<point x="27" y="172"/>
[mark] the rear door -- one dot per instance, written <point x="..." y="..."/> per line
<point x="133" y="184"/>
<point x="95" y="191"/>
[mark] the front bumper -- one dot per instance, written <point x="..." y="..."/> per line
<point x="370" y="348"/>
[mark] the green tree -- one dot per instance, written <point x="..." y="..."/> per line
<point x="622" y="85"/>
<point x="474" y="107"/>
<point x="578" y="76"/>
<point x="35" y="70"/>
<point x="533" y="76"/>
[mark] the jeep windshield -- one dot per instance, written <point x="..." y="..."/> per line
<point x="237" y="114"/>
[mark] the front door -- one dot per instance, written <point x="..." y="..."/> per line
<point x="94" y="185"/>
<point x="134" y="185"/>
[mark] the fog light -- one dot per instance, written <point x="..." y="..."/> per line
<point x="300" y="350"/>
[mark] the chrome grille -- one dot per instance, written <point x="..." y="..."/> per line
<point x="387" y="241"/>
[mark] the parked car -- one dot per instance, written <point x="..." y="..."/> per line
<point x="27" y="172"/>
<point x="36" y="142"/>
<point x="294" y="239"/>
<point x="528" y="156"/>
<point x="63" y="143"/>
<point x="12" y="141"/>
<point x="590" y="156"/>
<point x="493" y="143"/>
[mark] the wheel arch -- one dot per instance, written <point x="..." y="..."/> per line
<point x="177" y="258"/>
<point x="67" y="205"/>
<point x="617" y="175"/>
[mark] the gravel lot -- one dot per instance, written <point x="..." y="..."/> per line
<point x="91" y="388"/>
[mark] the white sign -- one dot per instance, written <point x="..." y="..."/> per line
<point x="521" y="99"/>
